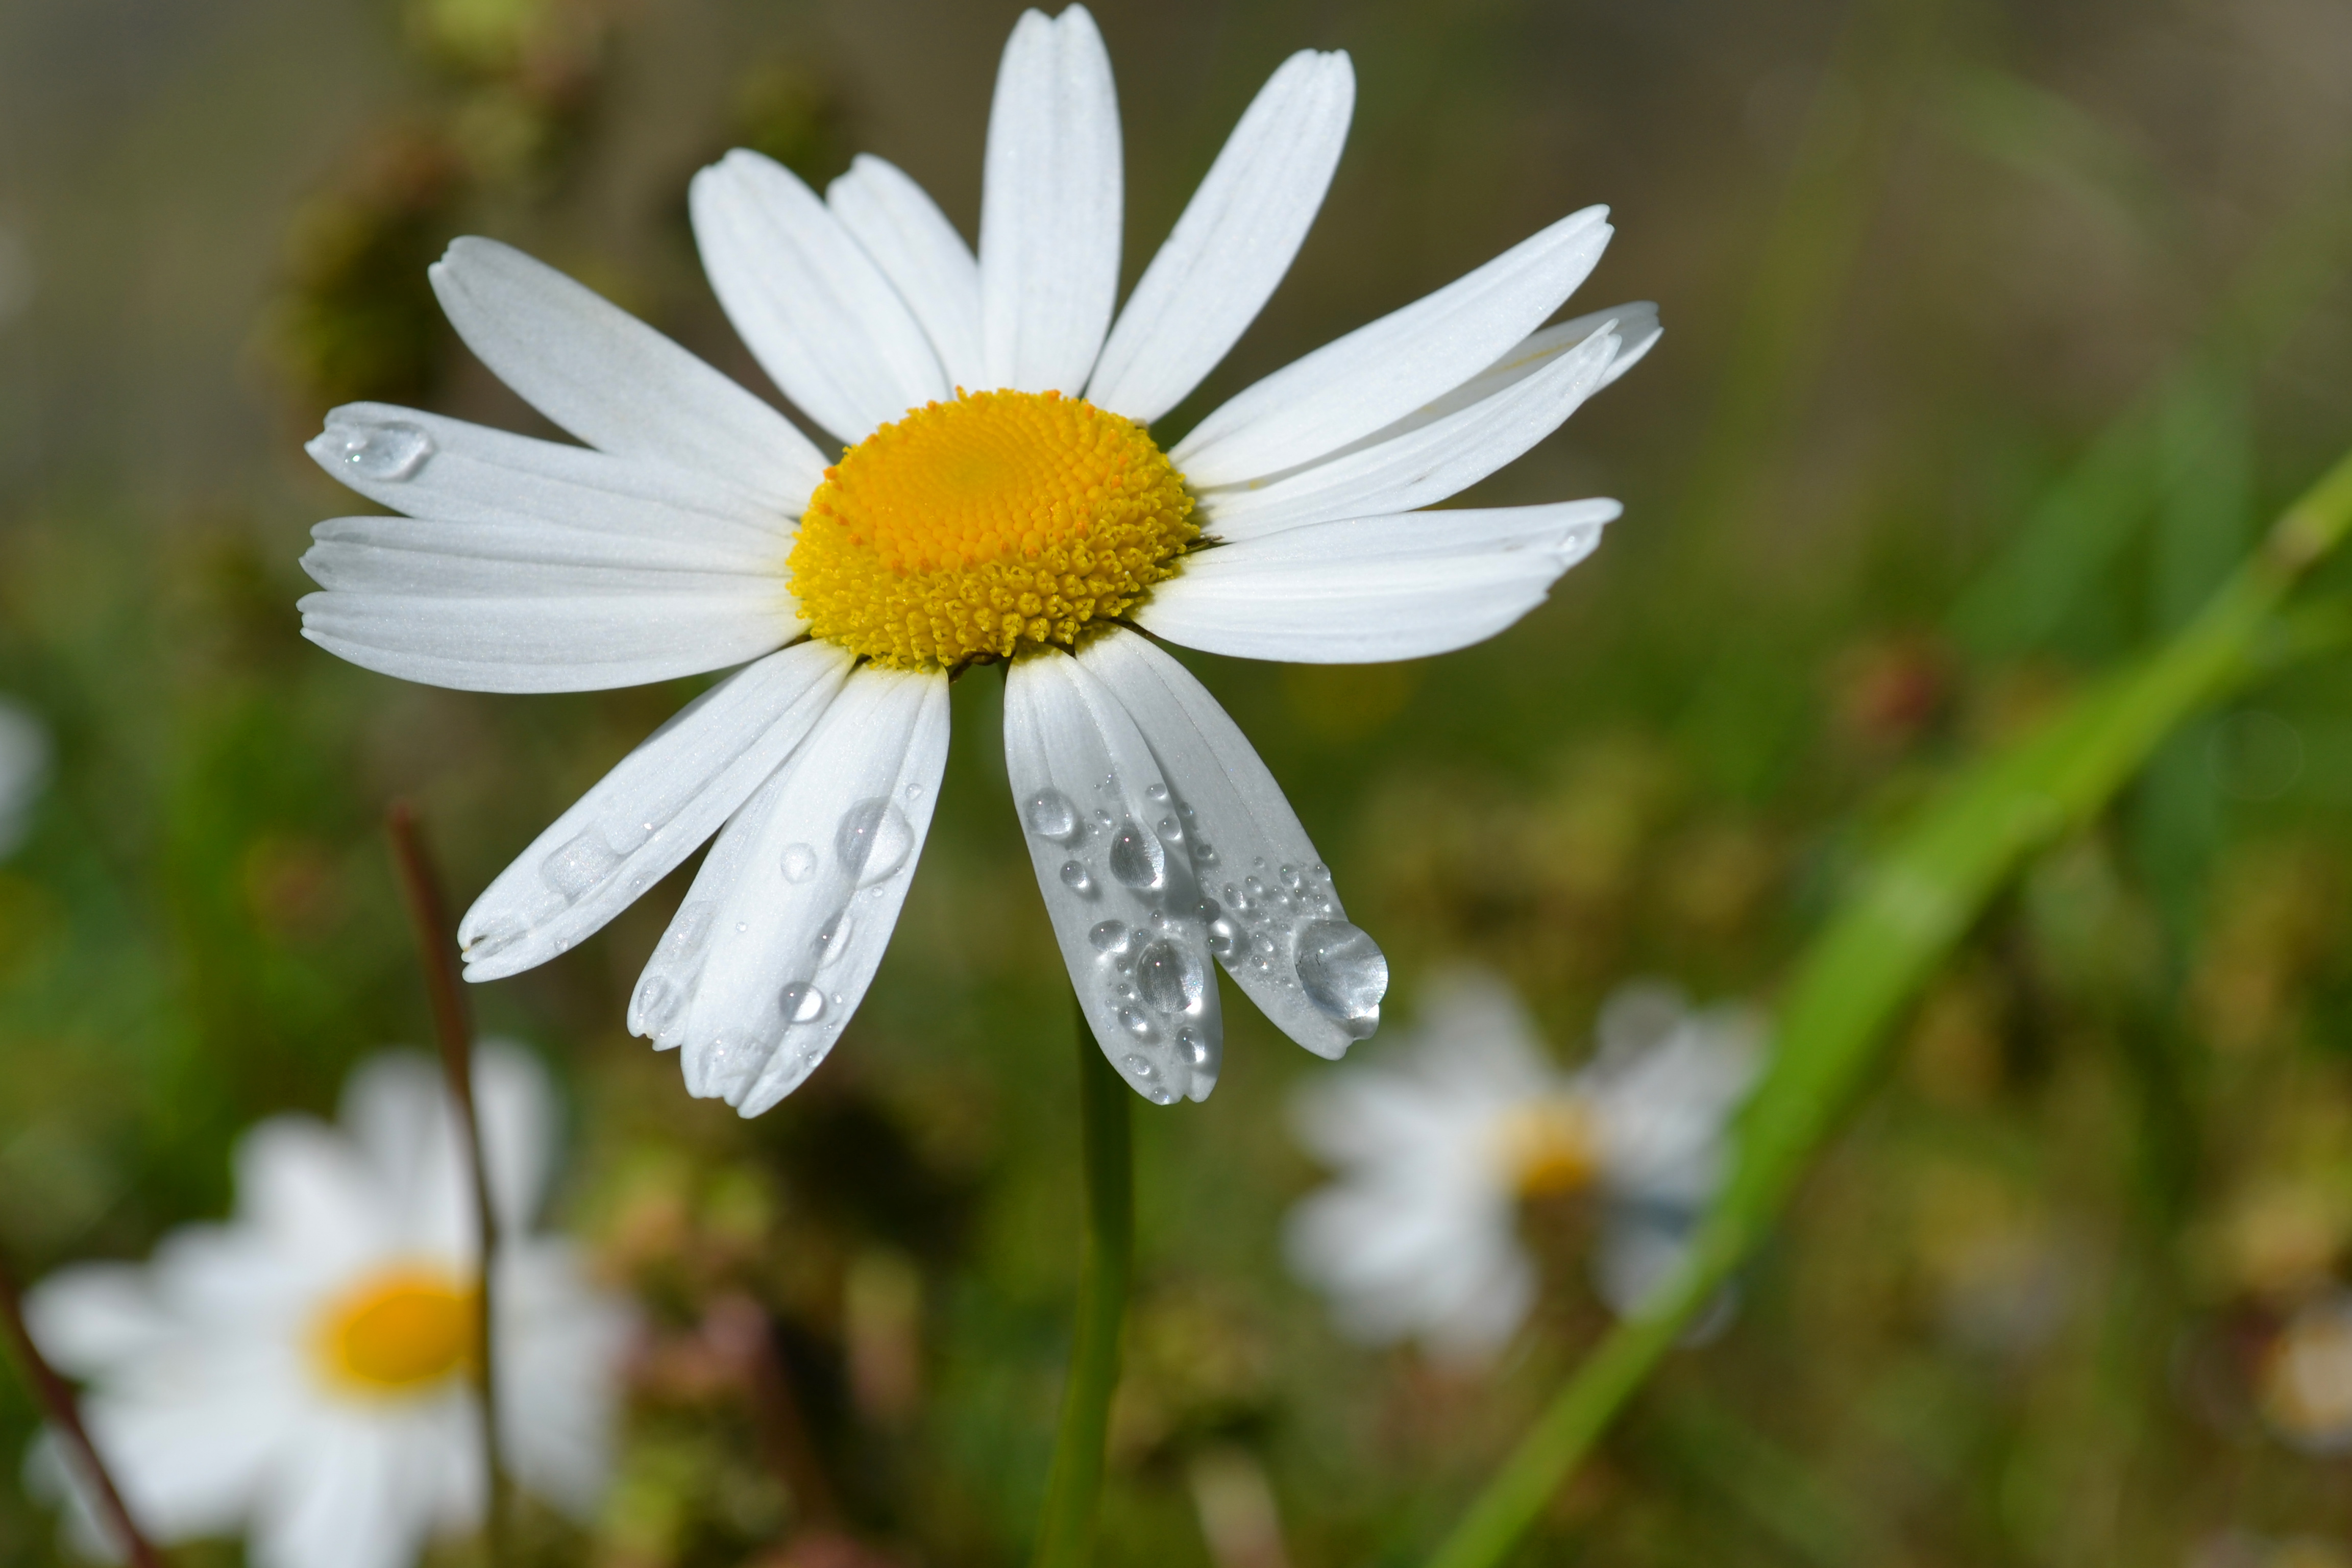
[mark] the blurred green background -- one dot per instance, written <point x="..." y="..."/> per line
<point x="1995" y="330"/>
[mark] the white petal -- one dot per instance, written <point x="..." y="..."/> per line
<point x="652" y="811"/>
<point x="1381" y="372"/>
<point x="91" y="1315"/>
<point x="514" y="556"/>
<point x="786" y="921"/>
<point x="1375" y="588"/>
<point x="1637" y="329"/>
<point x="1104" y="834"/>
<point x="818" y="314"/>
<point x="428" y="465"/>
<point x="515" y="1102"/>
<point x="1050" y="207"/>
<point x="307" y="1189"/>
<point x="1280" y="930"/>
<point x="338" y="1501"/>
<point x="614" y="381"/>
<point x="538" y="642"/>
<point x="921" y="254"/>
<point x="395" y="1107"/>
<point x="1420" y="466"/>
<point x="1237" y="238"/>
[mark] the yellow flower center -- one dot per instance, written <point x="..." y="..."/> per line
<point x="400" y="1332"/>
<point x="1548" y="1147"/>
<point x="1001" y="521"/>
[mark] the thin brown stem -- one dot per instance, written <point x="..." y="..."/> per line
<point x="57" y="1401"/>
<point x="428" y="915"/>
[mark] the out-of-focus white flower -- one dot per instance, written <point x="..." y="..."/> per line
<point x="302" y="1372"/>
<point x="23" y="770"/>
<point x="2307" y="1377"/>
<point x="1436" y="1146"/>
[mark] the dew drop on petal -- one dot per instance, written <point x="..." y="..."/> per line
<point x="1132" y="1020"/>
<point x="1345" y="976"/>
<point x="799" y="862"/>
<point x="1195" y="1047"/>
<point x="874" y="840"/>
<point x="1109" y="937"/>
<point x="1139" y="1067"/>
<point x="575" y="868"/>
<point x="658" y="1000"/>
<point x="1170" y="977"/>
<point x="1051" y="816"/>
<point x="833" y="938"/>
<point x="1075" y="877"/>
<point x="1137" y="857"/>
<point x="392" y="451"/>
<point x="802" y="1002"/>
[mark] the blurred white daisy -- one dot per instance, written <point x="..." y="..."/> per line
<point x="1001" y="499"/>
<point x="302" y="1372"/>
<point x="1438" y="1143"/>
<point x="2305" y="1377"/>
<point x="23" y="770"/>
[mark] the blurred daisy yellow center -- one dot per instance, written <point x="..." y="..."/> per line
<point x="1548" y="1147"/>
<point x="399" y="1332"/>
<point x="999" y="522"/>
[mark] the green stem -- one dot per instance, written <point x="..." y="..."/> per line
<point x="1066" y="1535"/>
<point x="1904" y="917"/>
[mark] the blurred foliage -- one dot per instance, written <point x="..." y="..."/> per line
<point x="1994" y="331"/>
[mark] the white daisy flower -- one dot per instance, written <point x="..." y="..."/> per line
<point x="23" y="770"/>
<point x="1438" y="1144"/>
<point x="302" y="1371"/>
<point x="1001" y="499"/>
<point x="2305" y="1381"/>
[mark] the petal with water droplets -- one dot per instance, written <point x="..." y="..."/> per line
<point x="645" y="818"/>
<point x="769" y="955"/>
<point x="1108" y="838"/>
<point x="1274" y="894"/>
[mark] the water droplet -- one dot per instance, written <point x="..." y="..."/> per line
<point x="1203" y="853"/>
<point x="1103" y="818"/>
<point x="1345" y="974"/>
<point x="658" y="1000"/>
<point x="1169" y="829"/>
<point x="1139" y="1067"/>
<point x="799" y="862"/>
<point x="1170" y="978"/>
<point x="802" y="1002"/>
<point x="1162" y="1097"/>
<point x="1137" y="857"/>
<point x="1290" y="877"/>
<point x="574" y="869"/>
<point x="1051" y="816"/>
<point x="1157" y="791"/>
<point x="392" y="451"/>
<point x="1132" y="1020"/>
<point x="831" y="941"/>
<point x="742" y="926"/>
<point x="1195" y="1049"/>
<point x="495" y="938"/>
<point x="687" y="931"/>
<point x="1226" y="938"/>
<point x="1075" y="877"/>
<point x="874" y="840"/>
<point x="1109" y="937"/>
<point x="913" y="792"/>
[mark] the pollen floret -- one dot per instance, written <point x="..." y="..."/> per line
<point x="1001" y="522"/>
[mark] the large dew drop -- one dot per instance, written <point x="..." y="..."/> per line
<point x="1136" y="858"/>
<point x="874" y="840"/>
<point x="1170" y="977"/>
<point x="1344" y="973"/>
<point x="801" y="1003"/>
<point x="393" y="451"/>
<point x="575" y="868"/>
<point x="1050" y="815"/>
<point x="834" y="938"/>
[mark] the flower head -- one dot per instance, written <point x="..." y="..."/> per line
<point x="1438" y="1145"/>
<point x="302" y="1371"/>
<point x="1000" y="494"/>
